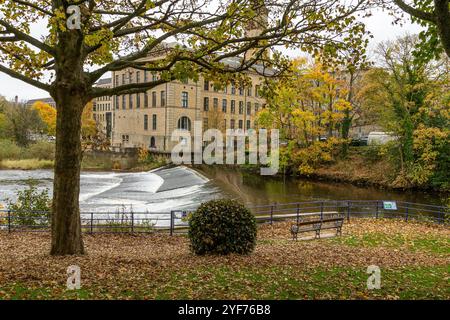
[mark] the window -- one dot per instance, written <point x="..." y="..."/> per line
<point x="117" y="101"/>
<point x="256" y="107"/>
<point x="232" y="124"/>
<point x="233" y="89"/>
<point x="163" y="98"/>
<point x="116" y="81"/>
<point x="206" y="85"/>
<point x="138" y="76"/>
<point x="145" y="76"/>
<point x="125" y="138"/>
<point x="225" y="89"/>
<point x="248" y="124"/>
<point x="184" y="99"/>
<point x="215" y="104"/>
<point x="241" y="124"/>
<point x="257" y="91"/>
<point x="249" y="91"/>
<point x="124" y="97"/>
<point x="224" y="123"/>
<point x="123" y="78"/>
<point x="233" y="106"/>
<point x="138" y="100"/>
<point x="130" y="101"/>
<point x="152" y="142"/>
<point x="241" y="91"/>
<point x="146" y="100"/>
<point x="184" y="123"/>
<point x="241" y="107"/>
<point x="249" y="108"/>
<point x="224" y="105"/>
<point x="154" y="122"/>
<point x="145" y="122"/>
<point x="206" y="103"/>
<point x="154" y="77"/>
<point x="154" y="99"/>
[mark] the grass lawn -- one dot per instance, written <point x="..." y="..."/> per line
<point x="414" y="260"/>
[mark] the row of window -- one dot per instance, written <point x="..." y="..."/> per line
<point x="248" y="108"/>
<point x="184" y="102"/>
<point x="101" y="107"/>
<point x="135" y="77"/>
<point x="232" y="124"/>
<point x="131" y="77"/>
<point x="105" y="98"/>
<point x="145" y="103"/>
<point x="234" y="90"/>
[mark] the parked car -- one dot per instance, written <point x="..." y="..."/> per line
<point x="358" y="142"/>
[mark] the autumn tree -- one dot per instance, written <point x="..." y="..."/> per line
<point x="412" y="99"/>
<point x="48" y="115"/>
<point x="308" y="103"/>
<point x="86" y="39"/>
<point x="20" y="121"/>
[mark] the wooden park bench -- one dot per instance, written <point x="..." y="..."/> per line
<point x="316" y="226"/>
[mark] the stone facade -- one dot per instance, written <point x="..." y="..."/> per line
<point x="103" y="109"/>
<point x="148" y="120"/>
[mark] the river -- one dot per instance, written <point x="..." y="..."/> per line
<point x="184" y="188"/>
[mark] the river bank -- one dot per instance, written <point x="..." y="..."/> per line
<point x="248" y="185"/>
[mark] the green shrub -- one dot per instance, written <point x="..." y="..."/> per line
<point x="9" y="150"/>
<point x="222" y="227"/>
<point x="32" y="208"/>
<point x="40" y="150"/>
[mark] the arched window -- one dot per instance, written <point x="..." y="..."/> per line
<point x="152" y="142"/>
<point x="184" y="123"/>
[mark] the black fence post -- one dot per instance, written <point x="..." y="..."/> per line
<point x="132" y="222"/>
<point x="348" y="211"/>
<point x="92" y="222"/>
<point x="298" y="213"/>
<point x="171" y="223"/>
<point x="271" y="214"/>
<point x="407" y="212"/>
<point x="376" y="215"/>
<point x="9" y="221"/>
<point x="321" y="210"/>
<point x="440" y="216"/>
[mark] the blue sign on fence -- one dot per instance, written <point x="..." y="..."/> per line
<point x="389" y="205"/>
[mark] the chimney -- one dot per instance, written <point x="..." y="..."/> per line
<point x="256" y="26"/>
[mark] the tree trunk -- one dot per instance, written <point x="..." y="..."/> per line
<point x="70" y="91"/>
<point x="66" y="224"/>
<point x="442" y="13"/>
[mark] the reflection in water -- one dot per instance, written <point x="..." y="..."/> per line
<point x="257" y="190"/>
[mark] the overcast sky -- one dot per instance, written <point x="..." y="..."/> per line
<point x="380" y="24"/>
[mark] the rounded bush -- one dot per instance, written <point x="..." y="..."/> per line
<point x="222" y="227"/>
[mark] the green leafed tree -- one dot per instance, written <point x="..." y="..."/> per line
<point x="434" y="15"/>
<point x="67" y="59"/>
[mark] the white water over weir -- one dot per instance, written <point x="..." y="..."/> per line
<point x="114" y="195"/>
